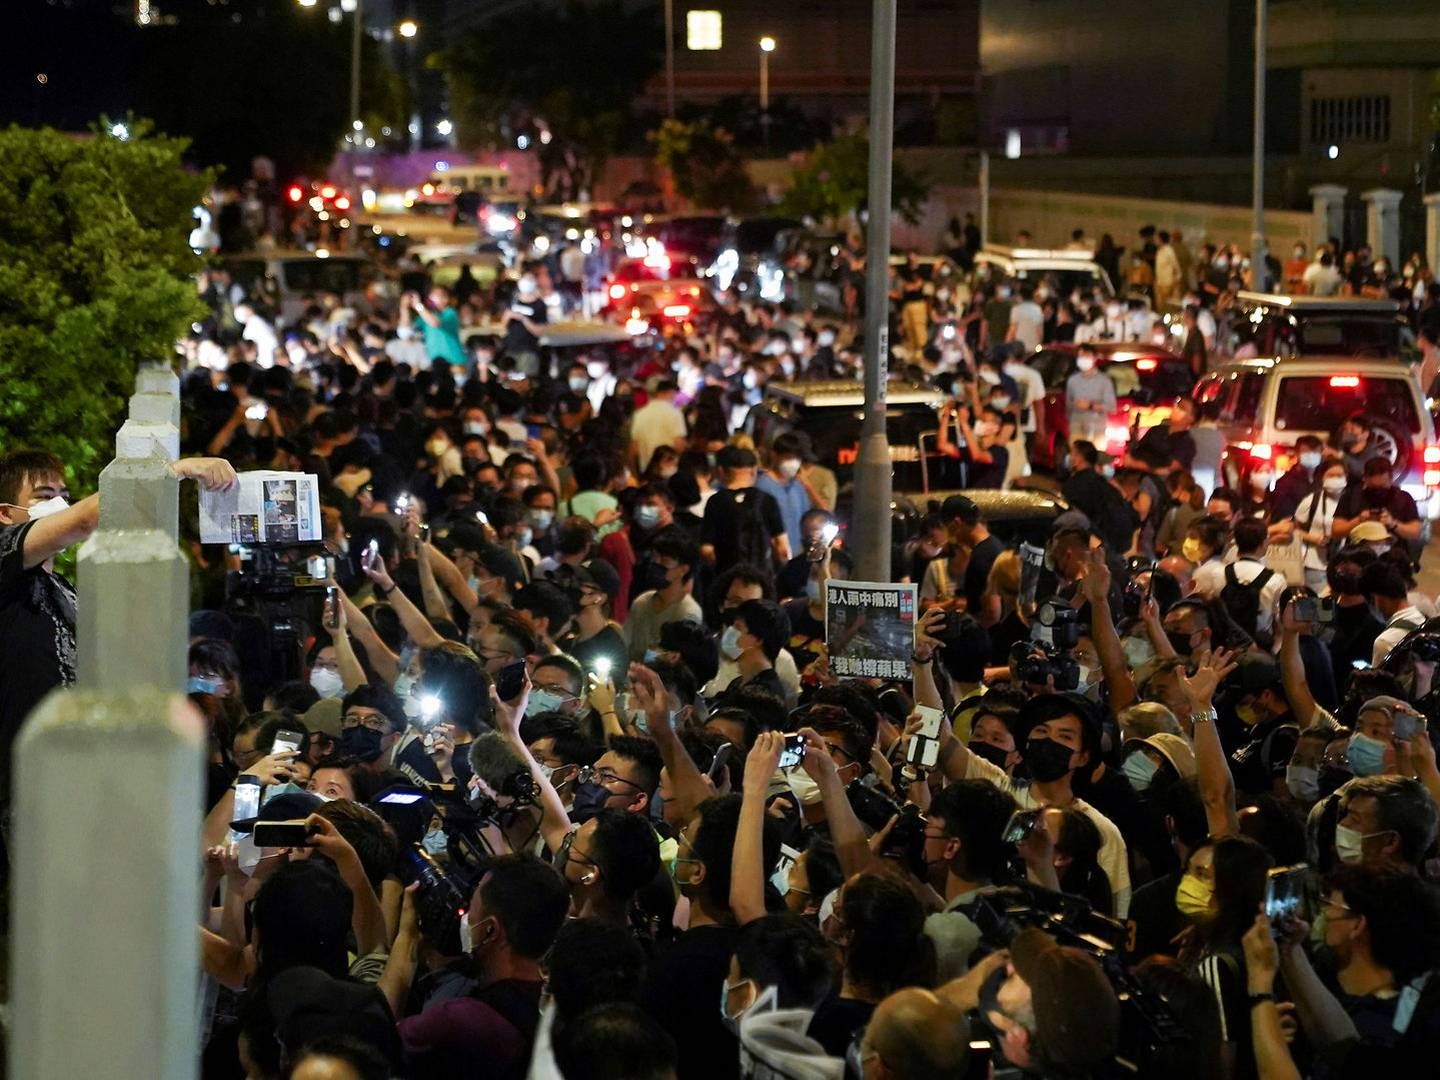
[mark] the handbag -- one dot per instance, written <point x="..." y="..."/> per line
<point x="1288" y="559"/>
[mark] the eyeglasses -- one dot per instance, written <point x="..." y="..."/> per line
<point x="603" y="777"/>
<point x="566" y="851"/>
<point x="1340" y="905"/>
<point x="372" y="723"/>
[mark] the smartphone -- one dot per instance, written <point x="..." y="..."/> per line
<point x="402" y="503"/>
<point x="794" y="751"/>
<point x="424" y="533"/>
<point x="601" y="668"/>
<point x="331" y="615"/>
<point x="1285" y="891"/>
<point x="923" y="753"/>
<point x="401" y="798"/>
<point x="1408" y="725"/>
<point x="722" y="759"/>
<point x="282" y="834"/>
<point x="1021" y="824"/>
<point x="372" y="555"/>
<point x="929" y="721"/>
<point x="247" y="798"/>
<point x="510" y="680"/>
<point x="287" y="740"/>
<point x="257" y="410"/>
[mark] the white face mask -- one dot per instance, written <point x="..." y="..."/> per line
<point x="1260" y="481"/>
<point x="49" y="506"/>
<point x="327" y="683"/>
<point x="1335" y="485"/>
<point x="790" y="468"/>
<point x="1085" y="363"/>
<point x="1310" y="459"/>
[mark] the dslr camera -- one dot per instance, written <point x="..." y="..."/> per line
<point x="906" y="841"/>
<point x="1035" y="662"/>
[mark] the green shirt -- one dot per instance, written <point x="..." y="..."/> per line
<point x="442" y="342"/>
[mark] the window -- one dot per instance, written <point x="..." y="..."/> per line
<point x="703" y="30"/>
<point x="1349" y="119"/>
<point x="1321" y="402"/>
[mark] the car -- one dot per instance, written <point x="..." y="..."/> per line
<point x="1065" y="269"/>
<point x="751" y="260"/>
<point x="291" y="276"/>
<point x="657" y="291"/>
<point x="1015" y="515"/>
<point x="829" y="411"/>
<point x="1274" y="324"/>
<point x="1260" y="406"/>
<point x="1147" y="380"/>
<point x="697" y="239"/>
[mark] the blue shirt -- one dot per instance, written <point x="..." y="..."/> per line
<point x="443" y="342"/>
<point x="794" y="503"/>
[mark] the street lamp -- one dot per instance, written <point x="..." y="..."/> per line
<point x="357" y="29"/>
<point x="767" y="46"/>
<point x="444" y="128"/>
<point x="408" y="28"/>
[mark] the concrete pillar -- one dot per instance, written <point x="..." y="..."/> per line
<point x="1327" y="213"/>
<point x="106" y="886"/>
<point x="1382" y="222"/>
<point x="1432" y="229"/>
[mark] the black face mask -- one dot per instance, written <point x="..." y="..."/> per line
<point x="993" y="754"/>
<point x="653" y="577"/>
<point x="1377" y="498"/>
<point x="360" y="742"/>
<point x="1047" y="760"/>
<point x="589" y="800"/>
<point x="1179" y="642"/>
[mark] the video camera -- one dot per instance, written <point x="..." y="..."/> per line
<point x="874" y="808"/>
<point x="284" y="588"/>
<point x="1034" y="662"/>
<point x="1147" y="1021"/>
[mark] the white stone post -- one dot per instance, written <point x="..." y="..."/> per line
<point x="1382" y="223"/>
<point x="1327" y="213"/>
<point x="1432" y="229"/>
<point x="106" y="823"/>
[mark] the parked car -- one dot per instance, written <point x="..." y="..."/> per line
<point x="1147" y="380"/>
<point x="1065" y="270"/>
<point x="292" y="276"/>
<point x="1261" y="406"/>
<point x="1273" y="324"/>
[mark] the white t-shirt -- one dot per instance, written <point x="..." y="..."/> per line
<point x="1324" y="519"/>
<point x="1112" y="857"/>
<point x="1032" y="389"/>
<point x="263" y="335"/>
<point x="1028" y="322"/>
<point x="1209" y="578"/>
<point x="656" y="423"/>
<point x="1247" y="569"/>
<point x="729" y="671"/>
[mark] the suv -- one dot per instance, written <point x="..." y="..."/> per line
<point x="829" y="411"/>
<point x="1272" y="324"/>
<point x="290" y="277"/>
<point x="1261" y="406"/>
<point x="1068" y="270"/>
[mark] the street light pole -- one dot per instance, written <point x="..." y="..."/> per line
<point x="872" y="470"/>
<point x="1259" y="267"/>
<point x="670" y="59"/>
<point x="767" y="46"/>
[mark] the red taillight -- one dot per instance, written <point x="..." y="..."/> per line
<point x="694" y="290"/>
<point x="1146" y="364"/>
<point x="327" y="192"/>
<point x="1262" y="451"/>
<point x="342" y="203"/>
<point x="1344" y="382"/>
<point x="677" y="311"/>
<point x="1432" y="455"/>
<point x="617" y="292"/>
<point x="296" y="193"/>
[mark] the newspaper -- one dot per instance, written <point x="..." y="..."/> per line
<point x="870" y="629"/>
<point x="264" y="508"/>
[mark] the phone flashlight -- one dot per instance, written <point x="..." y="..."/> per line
<point x="429" y="707"/>
<point x="829" y="532"/>
<point x="402" y="503"/>
<point x="602" y="667"/>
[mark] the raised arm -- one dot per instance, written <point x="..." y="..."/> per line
<point x="1217" y="785"/>
<point x="450" y="577"/>
<point x="1292" y="668"/>
<point x="416" y="625"/>
<point x="399" y="972"/>
<point x="554" y="821"/>
<point x="690" y="785"/>
<point x="385" y="662"/>
<point x="927" y="689"/>
<point x="352" y="672"/>
<point x="852" y="847"/>
<point x="1095" y="587"/>
<point x="367" y="918"/>
<point x="747" y="862"/>
<point x="1272" y="1053"/>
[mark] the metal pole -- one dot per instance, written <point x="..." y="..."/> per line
<point x="984" y="197"/>
<point x="764" y="81"/>
<point x="355" y="92"/>
<point x="1259" y="268"/>
<point x="670" y="59"/>
<point x="872" y="470"/>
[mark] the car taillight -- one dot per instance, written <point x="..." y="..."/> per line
<point x="677" y="311"/>
<point x="1262" y="451"/>
<point x="327" y="192"/>
<point x="617" y="292"/>
<point x="342" y="203"/>
<point x="1432" y="466"/>
<point x="296" y="193"/>
<point x="1146" y="364"/>
<point x="1344" y="382"/>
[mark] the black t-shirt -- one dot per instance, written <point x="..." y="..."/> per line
<point x="807" y="633"/>
<point x="1112" y="518"/>
<point x="517" y="337"/>
<point x="37" y="639"/>
<point x="740" y="523"/>
<point x="608" y="643"/>
<point x="766" y="680"/>
<point x="836" y="1021"/>
<point x="1263" y="758"/>
<point x="912" y="288"/>
<point x="977" y="573"/>
<point x="1293" y="485"/>
<point x="993" y="474"/>
<point x="1355" y="630"/>
<point x="682" y="992"/>
<point x="1164" y="444"/>
<point x="1357" y="498"/>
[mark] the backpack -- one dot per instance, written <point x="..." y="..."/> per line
<point x="752" y="538"/>
<point x="1242" y="602"/>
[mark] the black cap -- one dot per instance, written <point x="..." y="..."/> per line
<point x="597" y="574"/>
<point x="287" y="806"/>
<point x="736" y="457"/>
<point x="962" y="507"/>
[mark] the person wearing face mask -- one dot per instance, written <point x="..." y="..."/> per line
<point x="1380" y="821"/>
<point x="1271" y="730"/>
<point x="783" y="482"/>
<point x="659" y="422"/>
<point x="1064" y="738"/>
<point x="1314" y="515"/>
<point x="807" y="613"/>
<point x="1378" y="500"/>
<point x="981" y="440"/>
<point x="1385" y="587"/>
<point x="1089" y="398"/>
<point x="757" y="632"/>
<point x="668" y="596"/>
<point x="1204" y="546"/>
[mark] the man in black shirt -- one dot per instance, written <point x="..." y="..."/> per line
<point x="1297" y="481"/>
<point x="1111" y="516"/>
<point x="742" y="523"/>
<point x="962" y="519"/>
<point x="1169" y="441"/>
<point x="597" y="642"/>
<point x="1377" y="498"/>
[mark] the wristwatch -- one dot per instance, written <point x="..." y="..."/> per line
<point x="915" y="659"/>
<point x="384" y="591"/>
<point x="1205" y="716"/>
<point x="1257" y="999"/>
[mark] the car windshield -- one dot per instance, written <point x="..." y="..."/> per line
<point x="1321" y="402"/>
<point x="1350" y="335"/>
<point x="692" y="236"/>
<point x="322" y="275"/>
<point x="1065" y="281"/>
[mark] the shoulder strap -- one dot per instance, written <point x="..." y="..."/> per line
<point x="1316" y="498"/>
<point x="1259" y="581"/>
<point x="1230" y="578"/>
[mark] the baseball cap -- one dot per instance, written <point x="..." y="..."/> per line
<point x="1077" y="1015"/>
<point x="1369" y="532"/>
<point x="324" y="717"/>
<point x="1388" y="705"/>
<point x="287" y="806"/>
<point x="1174" y="748"/>
<point x="596" y="574"/>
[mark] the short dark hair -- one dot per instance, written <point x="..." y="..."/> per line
<point x="379" y="697"/>
<point x="1087" y="451"/>
<point x="675" y="543"/>
<point x="1384" y="578"/>
<point x="714" y="844"/>
<point x="545" y="600"/>
<point x="642" y="752"/>
<point x="1402" y="806"/>
<point x="454" y="673"/>
<point x="627" y="852"/>
<point x="1230" y="495"/>
<point x="19" y="467"/>
<point x="766" y="621"/>
<point x="1250" y="535"/>
<point x="618" y="1041"/>
<point x="574" y="673"/>
<point x="1402" y="916"/>
<point x="529" y="898"/>
<point x="302" y="918"/>
<point x="696" y="647"/>
<point x="961" y="507"/>
<point x="1212" y="530"/>
<point x="736" y="457"/>
<point x="888" y="947"/>
<point x="591" y="963"/>
<point x="365" y="831"/>
<point x="1378" y="466"/>
<point x="975" y="813"/>
<point x="788" y="952"/>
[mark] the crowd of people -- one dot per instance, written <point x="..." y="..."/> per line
<point x="551" y="777"/>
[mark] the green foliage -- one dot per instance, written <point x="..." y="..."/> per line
<point x="575" y="67"/>
<point x="835" y="182"/>
<point x="94" y="279"/>
<point x="704" y="164"/>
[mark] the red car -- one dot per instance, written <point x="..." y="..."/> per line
<point x="1147" y="380"/>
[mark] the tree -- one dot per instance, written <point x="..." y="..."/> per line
<point x="835" y="182"/>
<point x="570" y="70"/>
<point x="704" y="165"/>
<point x="94" y="278"/>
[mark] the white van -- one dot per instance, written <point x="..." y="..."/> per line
<point x="488" y="181"/>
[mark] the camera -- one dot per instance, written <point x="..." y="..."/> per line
<point x="440" y="900"/>
<point x="906" y="841"/>
<point x="1035" y="662"/>
<point x="1059" y="625"/>
<point x="1424" y="645"/>
<point x="1021" y="824"/>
